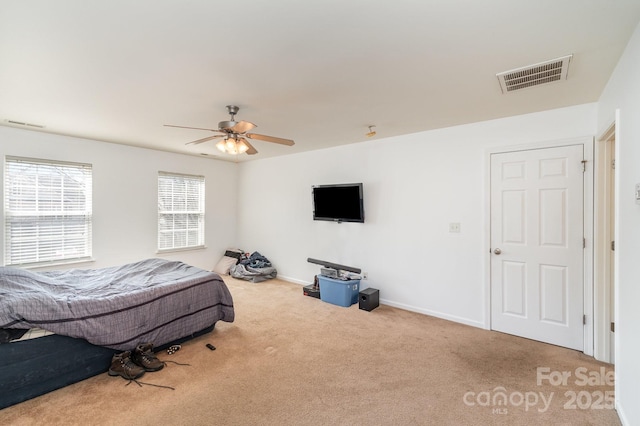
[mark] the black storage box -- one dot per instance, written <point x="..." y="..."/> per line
<point x="369" y="299"/>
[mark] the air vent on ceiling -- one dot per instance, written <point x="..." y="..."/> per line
<point x="534" y="75"/>
<point x="22" y="123"/>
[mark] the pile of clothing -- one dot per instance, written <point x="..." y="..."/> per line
<point x="255" y="268"/>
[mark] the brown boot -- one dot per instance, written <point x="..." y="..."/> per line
<point x="122" y="365"/>
<point x="144" y="356"/>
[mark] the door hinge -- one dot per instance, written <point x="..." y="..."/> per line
<point x="584" y="166"/>
<point x="613" y="164"/>
<point x="613" y="246"/>
<point x="613" y="327"/>
<point x="584" y="320"/>
<point x="584" y="243"/>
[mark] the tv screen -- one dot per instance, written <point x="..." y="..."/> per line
<point x="338" y="203"/>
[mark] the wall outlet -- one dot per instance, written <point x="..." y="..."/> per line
<point x="365" y="275"/>
<point x="454" y="227"/>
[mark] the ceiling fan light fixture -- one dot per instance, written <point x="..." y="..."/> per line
<point x="232" y="145"/>
<point x="242" y="147"/>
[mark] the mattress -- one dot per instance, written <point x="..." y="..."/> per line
<point x="33" y="333"/>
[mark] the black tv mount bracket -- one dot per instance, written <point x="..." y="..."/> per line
<point x="335" y="266"/>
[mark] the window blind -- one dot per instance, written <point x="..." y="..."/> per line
<point x="47" y="211"/>
<point x="180" y="211"/>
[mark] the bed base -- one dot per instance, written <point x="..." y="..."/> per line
<point x="31" y="368"/>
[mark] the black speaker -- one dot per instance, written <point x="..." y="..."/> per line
<point x="369" y="299"/>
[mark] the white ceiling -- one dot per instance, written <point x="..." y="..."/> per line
<point x="316" y="71"/>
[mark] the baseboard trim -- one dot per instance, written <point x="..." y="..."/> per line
<point x="620" y="411"/>
<point x="293" y="280"/>
<point x="453" y="318"/>
<point x="431" y="313"/>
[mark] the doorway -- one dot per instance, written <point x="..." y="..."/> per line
<point x="604" y="271"/>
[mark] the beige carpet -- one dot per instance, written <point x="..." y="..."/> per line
<point x="294" y="360"/>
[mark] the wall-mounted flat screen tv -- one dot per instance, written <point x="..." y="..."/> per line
<point x="338" y="203"/>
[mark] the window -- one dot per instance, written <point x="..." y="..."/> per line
<point x="180" y="211"/>
<point x="47" y="208"/>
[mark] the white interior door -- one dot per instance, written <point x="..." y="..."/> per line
<point x="537" y="244"/>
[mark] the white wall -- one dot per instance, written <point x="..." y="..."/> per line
<point x="125" y="201"/>
<point x="414" y="186"/>
<point x="623" y="93"/>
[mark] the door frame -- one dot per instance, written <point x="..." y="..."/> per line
<point x="602" y="265"/>
<point x="588" y="146"/>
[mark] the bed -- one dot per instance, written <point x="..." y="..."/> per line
<point x="95" y="313"/>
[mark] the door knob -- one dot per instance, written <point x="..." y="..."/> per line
<point x="497" y="251"/>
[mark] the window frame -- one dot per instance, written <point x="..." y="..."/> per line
<point x="183" y="217"/>
<point x="58" y="197"/>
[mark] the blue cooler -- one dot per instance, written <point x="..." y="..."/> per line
<point x="339" y="292"/>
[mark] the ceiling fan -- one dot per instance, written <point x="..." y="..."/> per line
<point x="235" y="135"/>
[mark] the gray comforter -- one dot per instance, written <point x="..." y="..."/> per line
<point x="154" y="300"/>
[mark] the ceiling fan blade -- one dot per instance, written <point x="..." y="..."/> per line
<point x="266" y="138"/>
<point x="205" y="139"/>
<point x="185" y="127"/>
<point x="251" y="150"/>
<point x="242" y="126"/>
